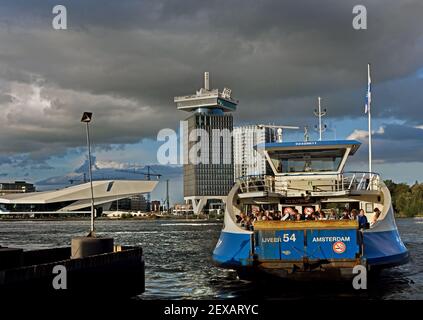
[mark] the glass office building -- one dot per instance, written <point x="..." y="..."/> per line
<point x="208" y="144"/>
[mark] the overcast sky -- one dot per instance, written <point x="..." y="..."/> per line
<point x="126" y="60"/>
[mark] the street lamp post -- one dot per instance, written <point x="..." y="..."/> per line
<point x="87" y="117"/>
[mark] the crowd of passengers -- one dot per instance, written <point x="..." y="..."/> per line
<point x="247" y="220"/>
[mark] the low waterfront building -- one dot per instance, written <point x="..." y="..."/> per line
<point x="16" y="187"/>
<point x="182" y="209"/>
<point x="133" y="203"/>
<point x="155" y="206"/>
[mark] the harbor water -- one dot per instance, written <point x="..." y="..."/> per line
<point x="179" y="265"/>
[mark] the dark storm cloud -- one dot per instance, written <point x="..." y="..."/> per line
<point x="5" y="160"/>
<point x="391" y="143"/>
<point x="125" y="60"/>
<point x="400" y="132"/>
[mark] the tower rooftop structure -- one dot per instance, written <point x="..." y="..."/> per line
<point x="207" y="100"/>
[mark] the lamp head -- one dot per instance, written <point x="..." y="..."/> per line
<point x="87" y="117"/>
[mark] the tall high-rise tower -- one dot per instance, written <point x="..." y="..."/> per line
<point x="247" y="160"/>
<point x="208" y="138"/>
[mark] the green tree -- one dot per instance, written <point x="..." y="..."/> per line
<point x="406" y="200"/>
<point x="416" y="205"/>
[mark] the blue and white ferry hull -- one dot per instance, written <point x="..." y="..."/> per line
<point x="382" y="244"/>
<point x="381" y="247"/>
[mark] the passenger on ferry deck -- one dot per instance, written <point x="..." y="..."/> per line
<point x="238" y="218"/>
<point x="286" y="216"/>
<point x="332" y="214"/>
<point x="298" y="216"/>
<point x="259" y="216"/>
<point x="241" y="217"/>
<point x="362" y="219"/>
<point x="375" y="216"/>
<point x="243" y="220"/>
<point x="322" y="215"/>
<point x="354" y="214"/>
<point x="248" y="223"/>
<point x="268" y="215"/>
<point x="315" y="216"/>
<point x="309" y="213"/>
<point x="345" y="215"/>
<point x="277" y="215"/>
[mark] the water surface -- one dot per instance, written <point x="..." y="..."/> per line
<point x="179" y="266"/>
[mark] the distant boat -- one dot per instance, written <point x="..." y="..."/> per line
<point x="308" y="176"/>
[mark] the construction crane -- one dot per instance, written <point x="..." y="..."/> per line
<point x="71" y="181"/>
<point x="147" y="175"/>
<point x="167" y="197"/>
<point x="279" y="130"/>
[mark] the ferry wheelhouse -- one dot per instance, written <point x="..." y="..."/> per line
<point x="309" y="176"/>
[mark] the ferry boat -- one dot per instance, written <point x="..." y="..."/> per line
<point x="309" y="176"/>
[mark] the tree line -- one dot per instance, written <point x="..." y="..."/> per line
<point x="406" y="200"/>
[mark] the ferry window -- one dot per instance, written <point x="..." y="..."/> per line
<point x="295" y="161"/>
<point x="109" y="186"/>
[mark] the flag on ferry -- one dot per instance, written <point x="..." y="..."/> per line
<point x="369" y="92"/>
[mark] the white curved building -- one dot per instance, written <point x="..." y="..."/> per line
<point x="74" y="198"/>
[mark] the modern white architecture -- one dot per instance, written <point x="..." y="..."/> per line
<point x="75" y="198"/>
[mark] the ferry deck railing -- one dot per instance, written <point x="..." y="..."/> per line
<point x="257" y="183"/>
<point x="359" y="180"/>
<point x="345" y="181"/>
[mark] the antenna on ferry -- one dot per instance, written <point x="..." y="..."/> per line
<point x="279" y="130"/>
<point x="279" y="134"/>
<point x="306" y="136"/>
<point x="319" y="113"/>
<point x="333" y="129"/>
